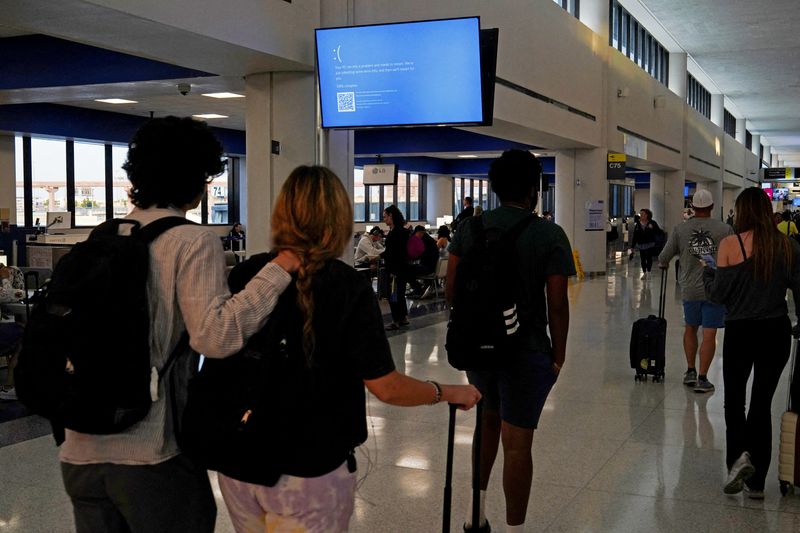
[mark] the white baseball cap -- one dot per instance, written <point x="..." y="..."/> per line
<point x="702" y="198"/>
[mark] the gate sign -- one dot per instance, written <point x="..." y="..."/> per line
<point x="777" y="173"/>
<point x="616" y="166"/>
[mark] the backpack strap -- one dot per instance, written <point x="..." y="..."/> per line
<point x="151" y="231"/>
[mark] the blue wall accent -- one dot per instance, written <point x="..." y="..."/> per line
<point x="430" y="139"/>
<point x="90" y="124"/>
<point x="42" y="61"/>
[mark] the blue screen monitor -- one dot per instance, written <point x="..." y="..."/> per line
<point x="414" y="73"/>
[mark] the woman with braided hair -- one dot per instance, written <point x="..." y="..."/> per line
<point x="334" y="344"/>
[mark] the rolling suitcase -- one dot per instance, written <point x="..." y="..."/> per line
<point x="648" y="340"/>
<point x="788" y="462"/>
<point x="448" y="480"/>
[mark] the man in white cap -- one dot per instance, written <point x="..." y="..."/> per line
<point x="691" y="240"/>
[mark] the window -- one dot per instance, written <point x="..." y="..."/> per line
<point x="570" y="6"/>
<point x="408" y="196"/>
<point x="90" y="184"/>
<point x="730" y="124"/>
<point x="698" y="97"/>
<point x="49" y="172"/>
<point x="20" y="180"/>
<point x="630" y="38"/>
<point x="476" y="188"/>
<point x="748" y="139"/>
<point x="87" y="179"/>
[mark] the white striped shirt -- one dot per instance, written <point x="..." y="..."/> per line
<point x="187" y="289"/>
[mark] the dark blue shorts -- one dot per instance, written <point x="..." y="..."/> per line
<point x="518" y="392"/>
<point x="703" y="313"/>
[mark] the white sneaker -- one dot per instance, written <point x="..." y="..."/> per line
<point x="8" y="394"/>
<point x="741" y="471"/>
<point x="753" y="494"/>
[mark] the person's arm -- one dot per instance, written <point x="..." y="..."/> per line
<point x="670" y="250"/>
<point x="558" y="317"/>
<point x="450" y="281"/>
<point x="220" y="324"/>
<point x="395" y="388"/>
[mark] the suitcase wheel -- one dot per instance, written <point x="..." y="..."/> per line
<point x="785" y="488"/>
<point x="640" y="377"/>
<point x="658" y="378"/>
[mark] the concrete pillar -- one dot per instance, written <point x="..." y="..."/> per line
<point x="657" y="197"/>
<point x="439" y="192"/>
<point x="280" y="107"/>
<point x="8" y="178"/>
<point x="677" y="73"/>
<point x="581" y="180"/>
<point x="755" y="147"/>
<point x="674" y="182"/>
<point x="741" y="131"/>
<point x="718" y="110"/>
<point x="594" y="13"/>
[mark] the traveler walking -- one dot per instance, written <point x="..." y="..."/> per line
<point x="690" y="241"/>
<point x="646" y="234"/>
<point x="755" y="268"/>
<point x="514" y="395"/>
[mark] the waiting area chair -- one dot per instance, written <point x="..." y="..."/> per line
<point x="439" y="274"/>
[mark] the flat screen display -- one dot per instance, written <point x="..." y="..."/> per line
<point x="780" y="193"/>
<point x="414" y="73"/>
<point x="796" y="202"/>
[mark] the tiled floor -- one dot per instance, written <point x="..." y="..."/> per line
<point x="610" y="454"/>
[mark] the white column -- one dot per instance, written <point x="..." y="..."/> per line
<point x="657" y="197"/>
<point x="718" y="110"/>
<point x="594" y="13"/>
<point x="677" y="73"/>
<point x="756" y="144"/>
<point x="741" y="131"/>
<point x="259" y="161"/>
<point x="439" y="199"/>
<point x="280" y="107"/>
<point x="8" y="192"/>
<point x="582" y="180"/>
<point x="673" y="198"/>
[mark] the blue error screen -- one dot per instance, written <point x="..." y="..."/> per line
<point x="400" y="74"/>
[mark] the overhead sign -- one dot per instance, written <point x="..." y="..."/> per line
<point x="616" y="166"/>
<point x="777" y="173"/>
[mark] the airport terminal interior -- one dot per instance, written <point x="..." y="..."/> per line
<point x="627" y="104"/>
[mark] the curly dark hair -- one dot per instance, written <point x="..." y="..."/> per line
<point x="171" y="160"/>
<point x="514" y="174"/>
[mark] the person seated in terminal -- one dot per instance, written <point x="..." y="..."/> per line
<point x="427" y="262"/>
<point x="12" y="289"/>
<point x="369" y="249"/>
<point x="786" y="225"/>
<point x="443" y="238"/>
<point x="236" y="237"/>
<point x="138" y="479"/>
<point x="336" y="333"/>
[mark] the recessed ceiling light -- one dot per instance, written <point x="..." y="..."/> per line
<point x="468" y="156"/>
<point x="224" y="95"/>
<point x="116" y="101"/>
<point x="210" y="115"/>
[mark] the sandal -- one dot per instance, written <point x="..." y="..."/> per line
<point x="393" y="327"/>
<point x="405" y="322"/>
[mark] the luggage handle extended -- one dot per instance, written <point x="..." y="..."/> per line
<point x="662" y="293"/>
<point x="789" y="406"/>
<point x="476" y="471"/>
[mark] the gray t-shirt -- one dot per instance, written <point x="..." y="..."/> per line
<point x="690" y="240"/>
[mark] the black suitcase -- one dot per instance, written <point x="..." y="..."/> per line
<point x="448" y="480"/>
<point x="648" y="341"/>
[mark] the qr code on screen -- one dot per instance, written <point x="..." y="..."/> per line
<point x="346" y="101"/>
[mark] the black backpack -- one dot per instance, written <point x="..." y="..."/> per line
<point x="85" y="359"/>
<point x="483" y="323"/>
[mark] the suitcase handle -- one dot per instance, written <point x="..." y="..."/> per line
<point x="662" y="293"/>
<point x="476" y="471"/>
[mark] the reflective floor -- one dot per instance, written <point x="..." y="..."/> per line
<point x="610" y="454"/>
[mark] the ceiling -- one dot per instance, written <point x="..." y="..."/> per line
<point x="747" y="47"/>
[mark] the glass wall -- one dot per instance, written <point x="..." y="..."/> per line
<point x="636" y="43"/>
<point x="359" y="195"/>
<point x="49" y="173"/>
<point x="90" y="184"/>
<point x="87" y="178"/>
<point x="371" y="200"/>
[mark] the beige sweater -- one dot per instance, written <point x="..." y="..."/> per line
<point x="187" y="289"/>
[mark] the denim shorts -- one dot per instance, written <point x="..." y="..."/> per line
<point x="519" y="391"/>
<point x="703" y="313"/>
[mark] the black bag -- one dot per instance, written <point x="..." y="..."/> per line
<point x="648" y="341"/>
<point x="228" y="425"/>
<point x="483" y="321"/>
<point x="85" y="359"/>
